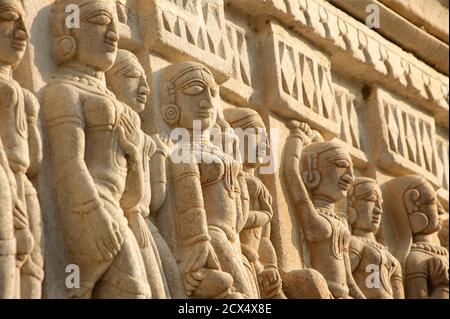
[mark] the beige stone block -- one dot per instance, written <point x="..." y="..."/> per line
<point x="187" y="30"/>
<point x="244" y="86"/>
<point x="297" y="79"/>
<point x="401" y="137"/>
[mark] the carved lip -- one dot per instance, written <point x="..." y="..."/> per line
<point x="111" y="46"/>
<point x="142" y="98"/>
<point x="205" y="114"/>
<point x="19" y="44"/>
<point x="344" y="186"/>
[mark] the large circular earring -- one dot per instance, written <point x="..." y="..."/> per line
<point x="65" y="48"/>
<point x="171" y="114"/>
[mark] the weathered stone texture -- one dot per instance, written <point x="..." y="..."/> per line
<point x="357" y="121"/>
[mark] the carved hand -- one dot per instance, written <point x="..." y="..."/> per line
<point x="107" y="239"/>
<point x="270" y="282"/>
<point x="130" y="137"/>
<point x="304" y="131"/>
<point x="201" y="256"/>
<point x="139" y="227"/>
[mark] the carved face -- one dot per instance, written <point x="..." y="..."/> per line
<point x="428" y="205"/>
<point x="367" y="205"/>
<point x="336" y="174"/>
<point x="198" y="100"/>
<point x="14" y="34"/>
<point x="97" y="36"/>
<point x="130" y="85"/>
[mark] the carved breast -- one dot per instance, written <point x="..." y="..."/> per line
<point x="101" y="112"/>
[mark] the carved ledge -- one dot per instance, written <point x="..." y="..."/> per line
<point x="401" y="137"/>
<point x="359" y="51"/>
<point x="401" y="31"/>
<point x="297" y="79"/>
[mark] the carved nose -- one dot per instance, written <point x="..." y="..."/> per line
<point x="112" y="36"/>
<point x="348" y="178"/>
<point x="205" y="104"/>
<point x="21" y="34"/>
<point x="377" y="211"/>
<point x="143" y="89"/>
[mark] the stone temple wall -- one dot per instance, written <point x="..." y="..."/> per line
<point x="380" y="93"/>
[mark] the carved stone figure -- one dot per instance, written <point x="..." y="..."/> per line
<point x="205" y="184"/>
<point x="443" y="234"/>
<point x="128" y="81"/>
<point x="7" y="240"/>
<point x="413" y="204"/>
<point x="260" y="258"/>
<point x="325" y="177"/>
<point x="23" y="147"/>
<point x="96" y="160"/>
<point x="368" y="257"/>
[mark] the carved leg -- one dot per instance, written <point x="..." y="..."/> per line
<point x="305" y="284"/>
<point x="32" y="272"/>
<point x="126" y="277"/>
<point x="251" y="277"/>
<point x="230" y="259"/>
<point x="7" y="241"/>
<point x="153" y="271"/>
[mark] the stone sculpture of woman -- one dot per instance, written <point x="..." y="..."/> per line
<point x="204" y="186"/>
<point x="128" y="81"/>
<point x="413" y="205"/>
<point x="259" y="253"/>
<point x="23" y="147"/>
<point x="96" y="159"/>
<point x="325" y="177"/>
<point x="368" y="257"/>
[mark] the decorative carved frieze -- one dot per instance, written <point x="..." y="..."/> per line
<point x="297" y="79"/>
<point x="358" y="50"/>
<point x="349" y="106"/>
<point x="244" y="85"/>
<point x="183" y="30"/>
<point x="402" y="137"/>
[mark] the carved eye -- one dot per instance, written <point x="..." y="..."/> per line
<point x="101" y="19"/>
<point x="133" y="74"/>
<point x="342" y="163"/>
<point x="372" y="198"/>
<point x="9" y="15"/>
<point x="194" y="90"/>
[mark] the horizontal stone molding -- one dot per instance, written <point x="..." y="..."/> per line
<point x="402" y="32"/>
<point x="358" y="50"/>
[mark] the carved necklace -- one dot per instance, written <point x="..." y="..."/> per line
<point x="338" y="239"/>
<point x="329" y="213"/>
<point x="85" y="79"/>
<point x="372" y="242"/>
<point x="435" y="249"/>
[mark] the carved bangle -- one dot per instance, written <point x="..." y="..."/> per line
<point x="132" y="210"/>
